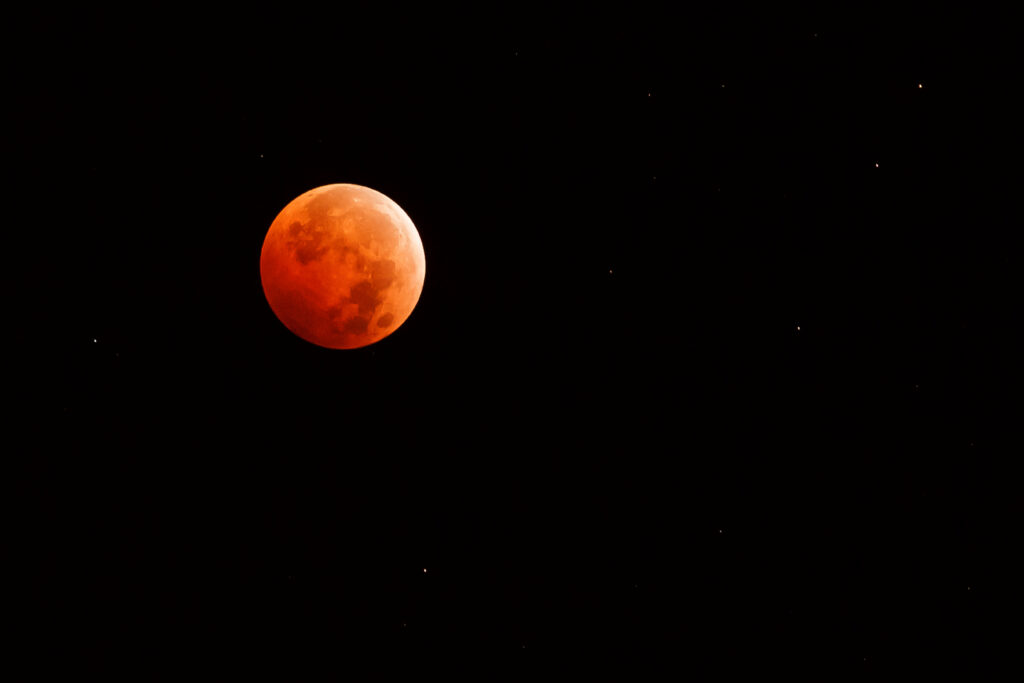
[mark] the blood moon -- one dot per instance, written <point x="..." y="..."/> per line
<point x="342" y="266"/>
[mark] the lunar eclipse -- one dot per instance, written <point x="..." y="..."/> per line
<point x="342" y="266"/>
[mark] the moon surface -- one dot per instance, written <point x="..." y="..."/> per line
<point x="342" y="266"/>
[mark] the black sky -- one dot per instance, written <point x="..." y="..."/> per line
<point x="711" y="373"/>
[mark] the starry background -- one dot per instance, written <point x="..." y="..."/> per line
<point x="711" y="372"/>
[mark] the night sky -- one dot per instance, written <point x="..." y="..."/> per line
<point x="711" y="374"/>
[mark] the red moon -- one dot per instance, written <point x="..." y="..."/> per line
<point x="342" y="266"/>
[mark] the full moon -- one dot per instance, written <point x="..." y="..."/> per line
<point x="342" y="266"/>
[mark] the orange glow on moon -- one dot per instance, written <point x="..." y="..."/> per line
<point x="342" y="266"/>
